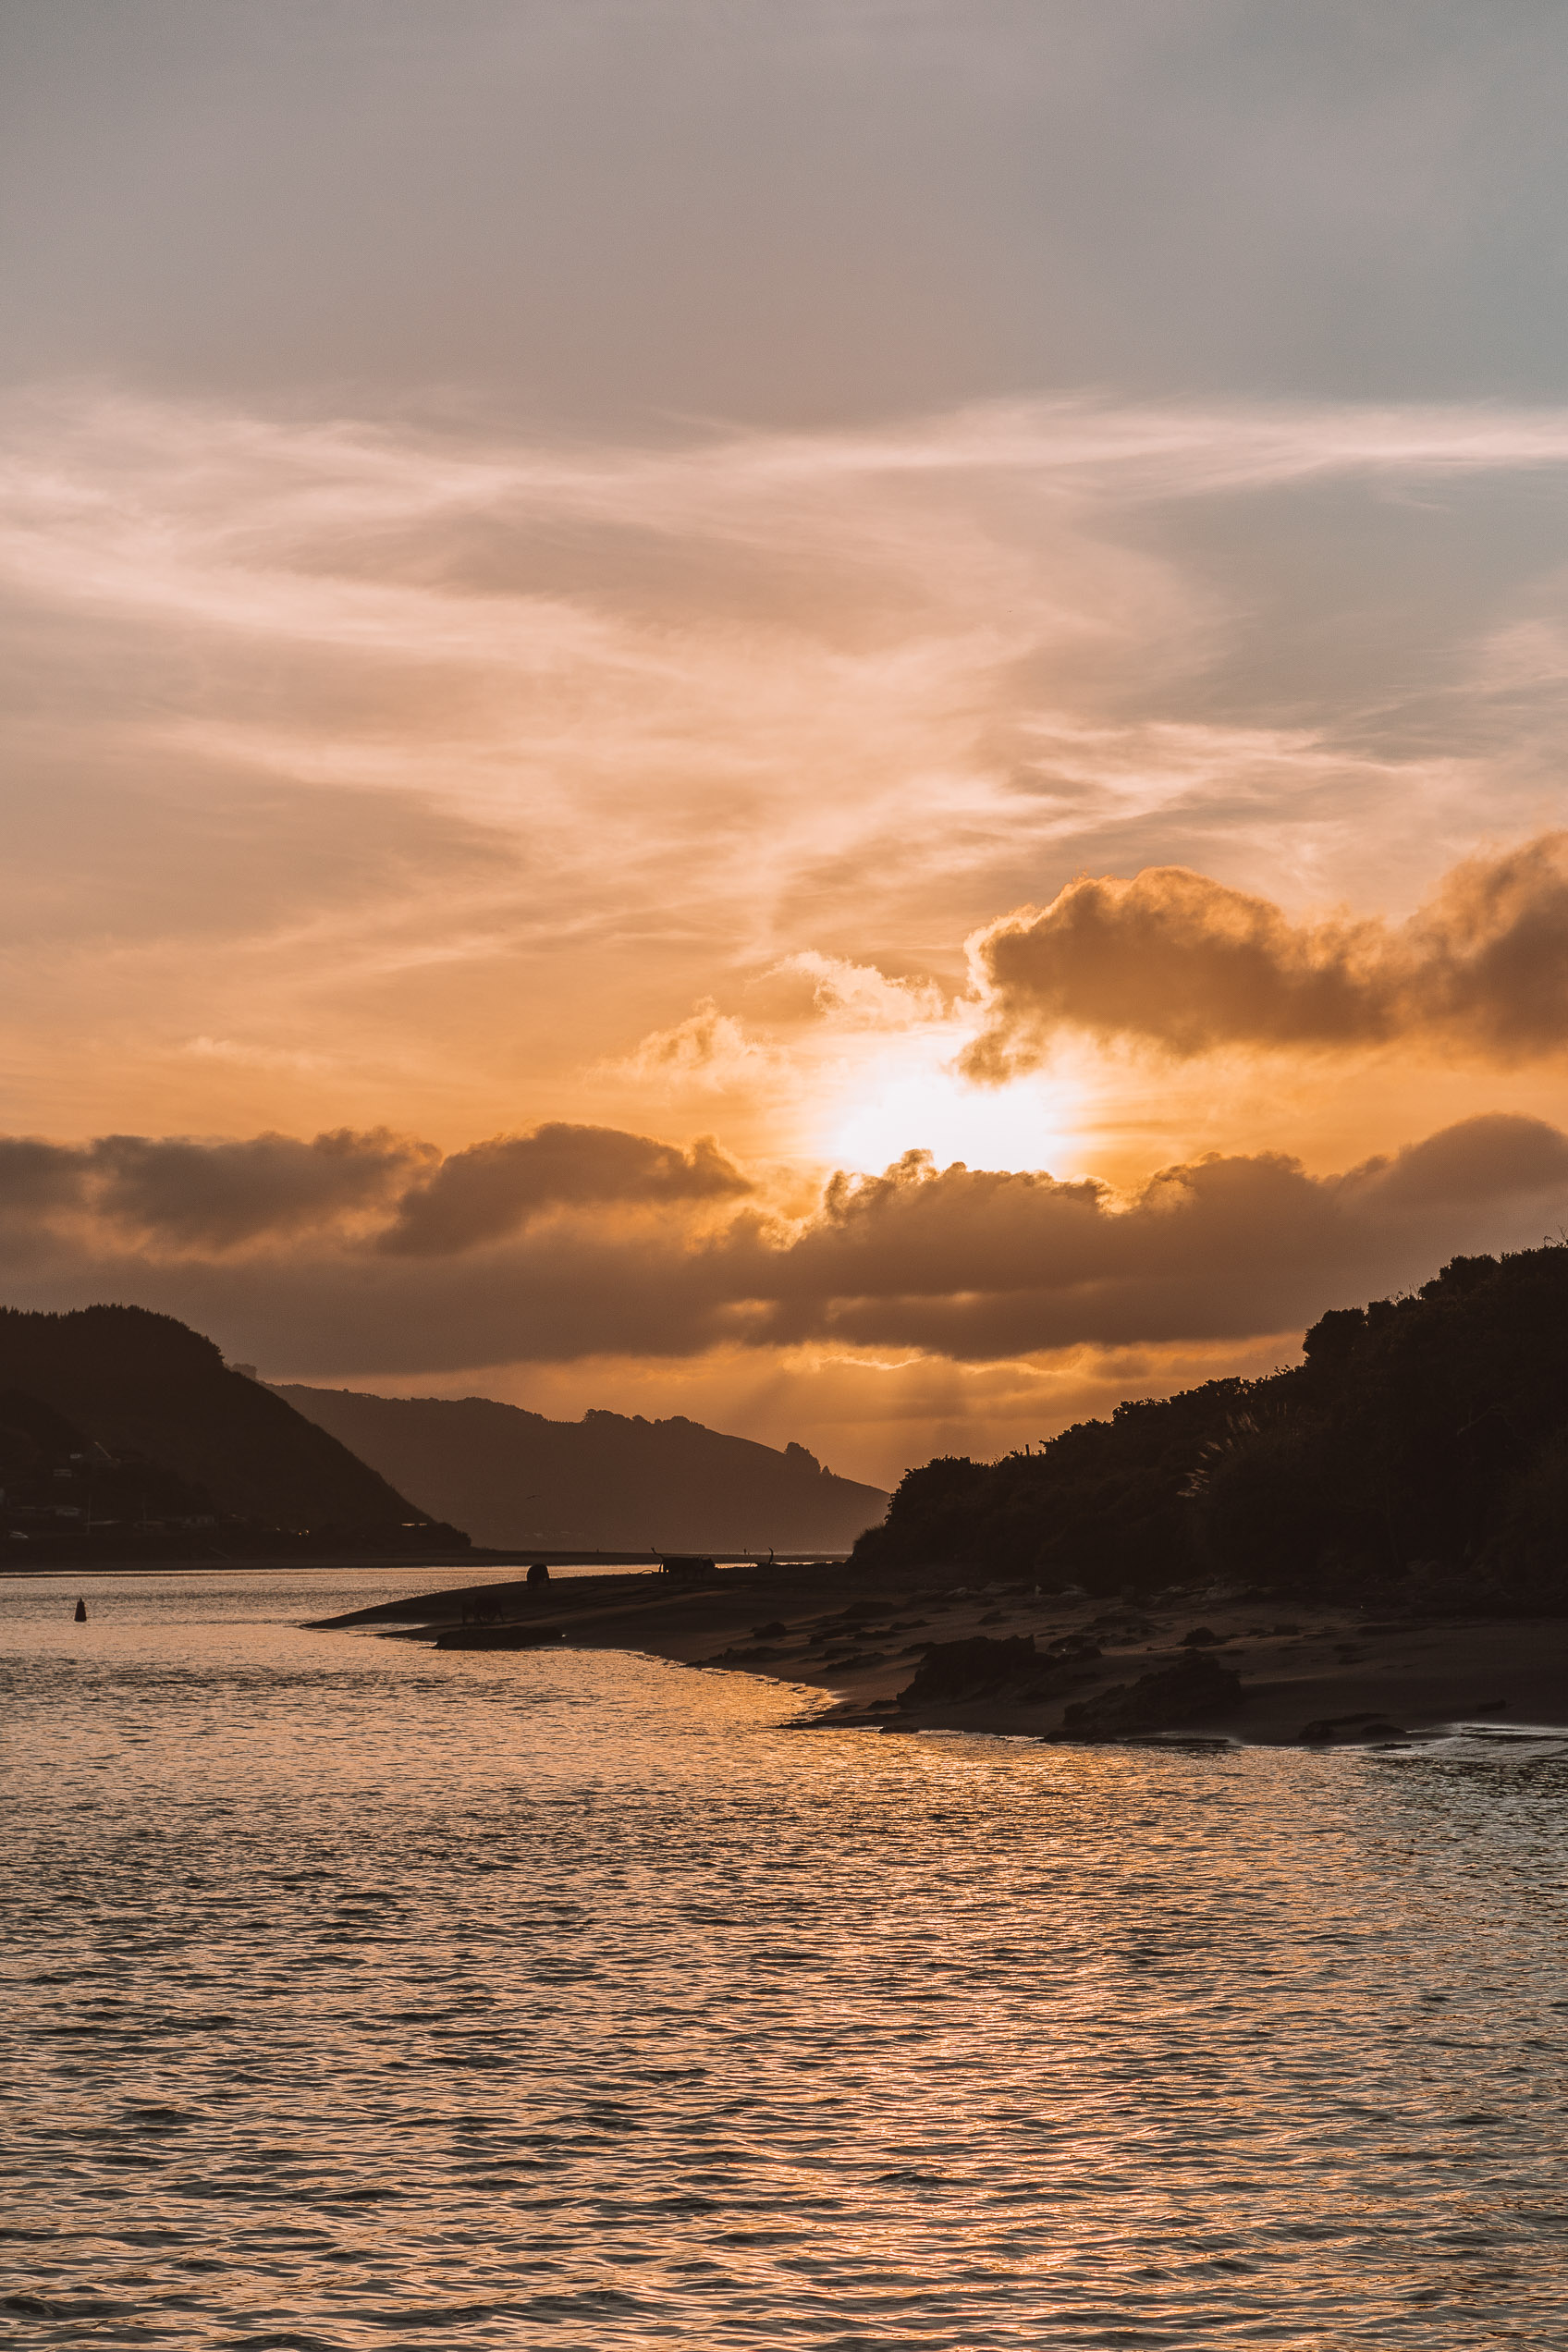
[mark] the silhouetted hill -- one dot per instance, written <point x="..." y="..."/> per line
<point x="185" y="1435"/>
<point x="511" y="1476"/>
<point x="1419" y="1454"/>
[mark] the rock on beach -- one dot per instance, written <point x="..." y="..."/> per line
<point x="1176" y="1698"/>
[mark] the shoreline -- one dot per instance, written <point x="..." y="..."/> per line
<point x="636" y="1564"/>
<point x="1349" y="1677"/>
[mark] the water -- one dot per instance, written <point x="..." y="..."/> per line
<point x="365" y="1996"/>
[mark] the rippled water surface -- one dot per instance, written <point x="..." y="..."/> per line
<point x="365" y="1996"/>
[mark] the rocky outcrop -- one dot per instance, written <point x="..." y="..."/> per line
<point x="1178" y="1697"/>
<point x="981" y="1667"/>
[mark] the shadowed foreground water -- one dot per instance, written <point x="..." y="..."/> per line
<point x="365" y="1996"/>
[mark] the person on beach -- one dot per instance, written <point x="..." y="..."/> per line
<point x="81" y="1612"/>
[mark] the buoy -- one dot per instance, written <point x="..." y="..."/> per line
<point x="81" y="1612"/>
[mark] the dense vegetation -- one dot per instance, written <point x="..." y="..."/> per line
<point x="1419" y="1452"/>
<point x="128" y="1428"/>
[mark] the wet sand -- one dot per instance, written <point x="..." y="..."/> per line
<point x="1361" y="1676"/>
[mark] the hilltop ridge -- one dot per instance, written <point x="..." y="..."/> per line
<point x="512" y="1476"/>
<point x="117" y="1417"/>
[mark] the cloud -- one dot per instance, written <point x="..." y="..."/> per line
<point x="522" y="1250"/>
<point x="189" y="1197"/>
<point x="1478" y="1160"/>
<point x="369" y="701"/>
<point x="709" y="1051"/>
<point x="181" y="1193"/>
<point x="977" y="1265"/>
<point x="841" y="993"/>
<point x="494" y="1189"/>
<point x="797" y="1048"/>
<point x="1174" y="960"/>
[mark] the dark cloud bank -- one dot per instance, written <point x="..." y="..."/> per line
<point x="181" y="1193"/>
<point x="371" y="1254"/>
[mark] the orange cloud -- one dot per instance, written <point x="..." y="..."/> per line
<point x="194" y="1197"/>
<point x="709" y="1051"/>
<point x="843" y="994"/>
<point x="1176" y="960"/>
<point x="187" y="1194"/>
<point x="571" y="1243"/>
<point x="494" y="1189"/>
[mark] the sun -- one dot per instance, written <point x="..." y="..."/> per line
<point x="894" y="1107"/>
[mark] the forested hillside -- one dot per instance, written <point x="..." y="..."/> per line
<point x="1420" y="1449"/>
<point x="178" y="1435"/>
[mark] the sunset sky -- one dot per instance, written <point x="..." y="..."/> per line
<point x="845" y="717"/>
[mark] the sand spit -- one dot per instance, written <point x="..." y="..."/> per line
<point x="1055" y="1665"/>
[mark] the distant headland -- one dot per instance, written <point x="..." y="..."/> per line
<point x="126" y="1439"/>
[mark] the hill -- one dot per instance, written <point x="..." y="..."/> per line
<point x="512" y="1476"/>
<point x="142" y="1414"/>
<point x="1419" y="1454"/>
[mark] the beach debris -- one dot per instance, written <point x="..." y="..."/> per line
<point x="539" y="1573"/>
<point x="1202" y="1637"/>
<point x="1169" y="1699"/>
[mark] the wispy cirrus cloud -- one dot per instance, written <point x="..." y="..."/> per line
<point x="522" y="629"/>
<point x="435" y="727"/>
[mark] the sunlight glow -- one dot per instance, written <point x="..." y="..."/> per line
<point x="929" y="1108"/>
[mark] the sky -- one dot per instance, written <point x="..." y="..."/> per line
<point x="845" y="718"/>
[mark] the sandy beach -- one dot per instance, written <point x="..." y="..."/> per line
<point x="1334" y="1674"/>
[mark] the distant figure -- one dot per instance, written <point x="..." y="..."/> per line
<point x="538" y="1573"/>
<point x="81" y="1612"/>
